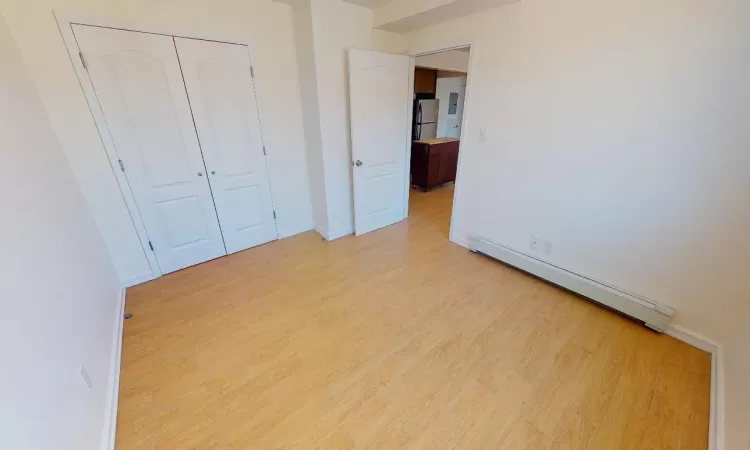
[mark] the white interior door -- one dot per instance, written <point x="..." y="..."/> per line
<point x="452" y="125"/>
<point x="222" y="96"/>
<point x="138" y="84"/>
<point x="461" y="104"/>
<point x="380" y="123"/>
<point x="446" y="89"/>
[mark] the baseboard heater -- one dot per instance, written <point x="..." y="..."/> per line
<point x="654" y="315"/>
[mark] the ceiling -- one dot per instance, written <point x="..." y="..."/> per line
<point x="409" y="15"/>
<point x="368" y="3"/>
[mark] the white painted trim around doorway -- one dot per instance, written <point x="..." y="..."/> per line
<point x="716" y="437"/>
<point x="130" y="282"/>
<point x="447" y="46"/>
<point x="65" y="23"/>
<point x="65" y="20"/>
<point x="113" y="386"/>
<point x="409" y="115"/>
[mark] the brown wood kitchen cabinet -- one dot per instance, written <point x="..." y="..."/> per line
<point x="434" y="162"/>
<point x="425" y="81"/>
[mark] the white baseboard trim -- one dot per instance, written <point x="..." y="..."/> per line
<point x="716" y="438"/>
<point x="339" y="235"/>
<point x="130" y="282"/>
<point x="322" y="233"/>
<point x="283" y="234"/>
<point x="457" y="240"/>
<point x="333" y="236"/>
<point x="113" y="390"/>
<point x="694" y="339"/>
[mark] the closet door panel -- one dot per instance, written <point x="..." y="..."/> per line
<point x="222" y="97"/>
<point x="138" y="84"/>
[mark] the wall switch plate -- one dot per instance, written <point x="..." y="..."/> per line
<point x="547" y="247"/>
<point x="86" y="378"/>
<point x="482" y="134"/>
<point x="535" y="242"/>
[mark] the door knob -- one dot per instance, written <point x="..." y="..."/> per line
<point x="358" y="163"/>
<point x="200" y="174"/>
<point x="213" y="172"/>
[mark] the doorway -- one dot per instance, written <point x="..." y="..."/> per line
<point x="433" y="110"/>
<point x="440" y="80"/>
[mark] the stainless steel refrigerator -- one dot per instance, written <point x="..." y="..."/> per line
<point x="425" y="119"/>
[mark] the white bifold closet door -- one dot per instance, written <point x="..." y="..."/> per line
<point x="139" y="88"/>
<point x="145" y="102"/>
<point x="222" y="97"/>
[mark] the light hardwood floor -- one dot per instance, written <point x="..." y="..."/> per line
<point x="395" y="339"/>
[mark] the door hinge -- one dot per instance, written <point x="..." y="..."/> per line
<point x="122" y="166"/>
<point x="274" y="214"/>
<point x="252" y="72"/>
<point x="83" y="61"/>
<point x="264" y="150"/>
<point x="151" y="246"/>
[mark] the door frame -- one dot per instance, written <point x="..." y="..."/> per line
<point x="439" y="48"/>
<point x="65" y="22"/>
<point x="409" y="118"/>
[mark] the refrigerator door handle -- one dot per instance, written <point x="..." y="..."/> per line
<point x="419" y="112"/>
<point x="419" y="131"/>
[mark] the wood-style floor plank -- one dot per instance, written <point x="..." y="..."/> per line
<point x="395" y="339"/>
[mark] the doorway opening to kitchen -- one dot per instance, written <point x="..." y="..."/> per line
<point x="407" y="114"/>
<point x="440" y="80"/>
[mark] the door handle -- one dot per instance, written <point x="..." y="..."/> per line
<point x="200" y="174"/>
<point x="358" y="163"/>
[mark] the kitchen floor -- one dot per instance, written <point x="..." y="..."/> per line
<point x="395" y="339"/>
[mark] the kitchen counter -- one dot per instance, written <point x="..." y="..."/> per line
<point x="433" y="162"/>
<point x="432" y="141"/>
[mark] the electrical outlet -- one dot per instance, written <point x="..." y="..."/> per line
<point x="482" y="134"/>
<point x="547" y="247"/>
<point x="535" y="242"/>
<point x="86" y="378"/>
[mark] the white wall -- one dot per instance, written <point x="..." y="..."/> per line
<point x="305" y="51"/>
<point x="451" y="60"/>
<point x="737" y="394"/>
<point x="619" y="132"/>
<point x="59" y="290"/>
<point x="737" y="373"/>
<point x="409" y="15"/>
<point x="265" y="25"/>
<point x="338" y="26"/>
